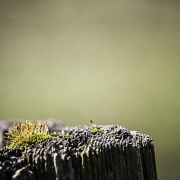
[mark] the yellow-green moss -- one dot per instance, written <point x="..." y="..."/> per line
<point x="24" y="135"/>
<point x="82" y="159"/>
<point x="96" y="130"/>
<point x="83" y="146"/>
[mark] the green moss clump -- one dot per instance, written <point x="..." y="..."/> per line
<point x="96" y="130"/>
<point x="64" y="135"/>
<point x="83" y="146"/>
<point x="25" y="135"/>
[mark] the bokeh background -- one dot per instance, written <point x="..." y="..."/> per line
<point x="117" y="62"/>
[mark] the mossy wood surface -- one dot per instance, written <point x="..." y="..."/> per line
<point x="82" y="153"/>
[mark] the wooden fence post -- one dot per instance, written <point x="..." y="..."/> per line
<point x="82" y="153"/>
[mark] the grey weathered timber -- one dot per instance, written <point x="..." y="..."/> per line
<point x="83" y="153"/>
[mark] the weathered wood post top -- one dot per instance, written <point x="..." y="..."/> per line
<point x="83" y="153"/>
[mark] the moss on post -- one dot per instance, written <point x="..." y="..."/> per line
<point x="78" y="153"/>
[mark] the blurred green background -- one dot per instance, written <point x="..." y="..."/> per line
<point x="116" y="62"/>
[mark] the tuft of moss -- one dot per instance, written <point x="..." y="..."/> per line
<point x="83" y="146"/>
<point x="65" y="135"/>
<point x="25" y="135"/>
<point x="96" y="130"/>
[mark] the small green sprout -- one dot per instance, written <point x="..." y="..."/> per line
<point x="83" y="146"/>
<point x="24" y="135"/>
